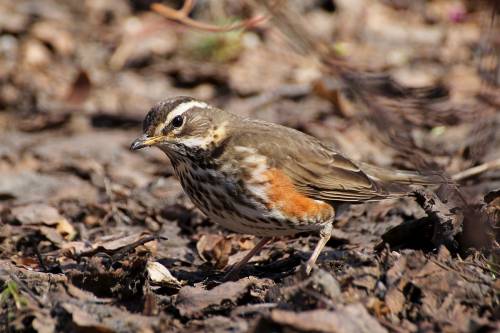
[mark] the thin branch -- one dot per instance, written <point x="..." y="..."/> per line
<point x="118" y="253"/>
<point x="187" y="7"/>
<point x="23" y="285"/>
<point x="491" y="165"/>
<point x="182" y="16"/>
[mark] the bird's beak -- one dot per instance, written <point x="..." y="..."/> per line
<point x="145" y="141"/>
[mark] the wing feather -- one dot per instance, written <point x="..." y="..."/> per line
<point x="317" y="170"/>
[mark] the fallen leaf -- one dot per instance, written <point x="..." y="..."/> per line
<point x="84" y="320"/>
<point x="44" y="324"/>
<point x="110" y="244"/>
<point x="20" y="185"/>
<point x="66" y="229"/>
<point x="80" y="89"/>
<point x="159" y="274"/>
<point x="191" y="301"/>
<point x="218" y="324"/>
<point x="352" y="318"/>
<point x="214" y="249"/>
<point x="36" y="214"/>
<point x="41" y="214"/>
<point x="105" y="318"/>
<point x="395" y="300"/>
<point x="325" y="283"/>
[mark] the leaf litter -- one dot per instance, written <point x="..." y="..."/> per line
<point x="94" y="238"/>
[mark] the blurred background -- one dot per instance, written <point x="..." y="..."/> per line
<point x="72" y="69"/>
<point x="397" y="83"/>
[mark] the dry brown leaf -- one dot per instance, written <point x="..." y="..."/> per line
<point x="110" y="244"/>
<point x="215" y="249"/>
<point x="20" y="185"/>
<point x="107" y="319"/>
<point x="395" y="300"/>
<point x="36" y="214"/>
<point x="42" y="214"/>
<point x="79" y="90"/>
<point x="350" y="319"/>
<point x="191" y="301"/>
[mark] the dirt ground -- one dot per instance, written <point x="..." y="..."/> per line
<point x="96" y="238"/>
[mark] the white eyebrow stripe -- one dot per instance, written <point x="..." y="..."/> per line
<point x="183" y="107"/>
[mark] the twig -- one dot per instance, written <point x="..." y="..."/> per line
<point x="182" y="16"/>
<point x="115" y="213"/>
<point x="23" y="285"/>
<point x="484" y="268"/>
<point x="40" y="259"/>
<point x="462" y="275"/>
<point x="491" y="165"/>
<point x="118" y="253"/>
<point x="187" y="7"/>
<point x="253" y="308"/>
<point x="129" y="248"/>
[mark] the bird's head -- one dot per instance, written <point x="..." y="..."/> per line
<point x="181" y="125"/>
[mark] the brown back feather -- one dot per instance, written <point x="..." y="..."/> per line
<point x="317" y="170"/>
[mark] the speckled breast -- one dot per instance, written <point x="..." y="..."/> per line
<point x="228" y="201"/>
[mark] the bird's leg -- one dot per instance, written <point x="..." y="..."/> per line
<point x="238" y="266"/>
<point x="324" y="235"/>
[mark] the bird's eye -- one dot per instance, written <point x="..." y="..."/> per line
<point x="177" y="121"/>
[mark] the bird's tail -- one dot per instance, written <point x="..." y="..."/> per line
<point x="404" y="177"/>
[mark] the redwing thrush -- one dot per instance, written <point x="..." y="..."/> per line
<point x="261" y="178"/>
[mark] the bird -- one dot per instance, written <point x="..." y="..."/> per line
<point x="261" y="178"/>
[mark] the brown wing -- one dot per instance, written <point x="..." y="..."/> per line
<point x="317" y="170"/>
